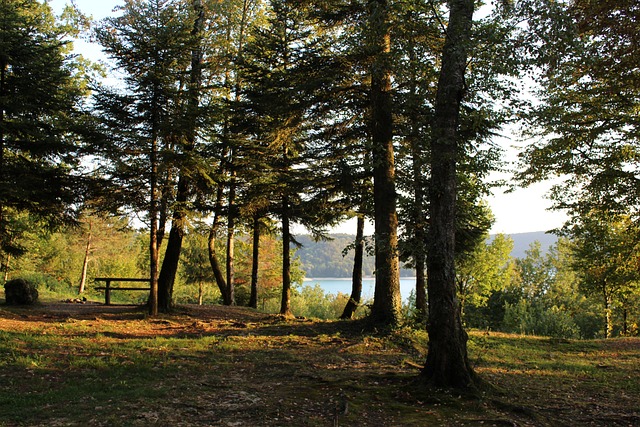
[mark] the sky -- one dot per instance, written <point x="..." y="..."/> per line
<point x="521" y="211"/>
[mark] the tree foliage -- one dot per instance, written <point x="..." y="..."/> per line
<point x="42" y="91"/>
<point x="487" y="269"/>
<point x="585" y="125"/>
<point x="147" y="43"/>
<point x="605" y="253"/>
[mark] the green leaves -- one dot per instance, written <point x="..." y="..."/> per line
<point x="587" y="121"/>
<point x="41" y="97"/>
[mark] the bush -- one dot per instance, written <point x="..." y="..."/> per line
<point x="557" y="323"/>
<point x="526" y="318"/>
<point x="187" y="293"/>
<point x="47" y="283"/>
<point x="311" y="302"/>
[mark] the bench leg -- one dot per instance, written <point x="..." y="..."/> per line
<point x="107" y="293"/>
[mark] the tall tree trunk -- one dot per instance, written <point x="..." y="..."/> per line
<point x="356" y="277"/>
<point x="230" y="263"/>
<point x="5" y="275"/>
<point x="285" y="303"/>
<point x="85" y="262"/>
<point x="386" y="310"/>
<point x="153" y="232"/>
<point x="608" y="326"/>
<point x="163" y="205"/>
<point x="231" y="229"/>
<point x="174" y="246"/>
<point x="237" y="86"/>
<point x="154" y="205"/>
<point x="447" y="363"/>
<point x="213" y="254"/>
<point x="3" y="76"/>
<point x="169" y="268"/>
<point x="422" y="309"/>
<point x="420" y="222"/>
<point x="255" y="262"/>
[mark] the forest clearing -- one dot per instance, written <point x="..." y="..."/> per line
<point x="188" y="143"/>
<point x="89" y="364"/>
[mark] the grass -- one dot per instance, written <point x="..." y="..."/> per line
<point x="72" y="364"/>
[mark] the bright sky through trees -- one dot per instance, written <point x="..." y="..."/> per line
<point x="523" y="210"/>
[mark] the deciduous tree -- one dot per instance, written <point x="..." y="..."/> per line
<point x="584" y="128"/>
<point x="605" y="254"/>
<point x="483" y="271"/>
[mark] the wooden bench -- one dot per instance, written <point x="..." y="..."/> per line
<point x="107" y="287"/>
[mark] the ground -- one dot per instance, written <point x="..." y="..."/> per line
<point x="90" y="364"/>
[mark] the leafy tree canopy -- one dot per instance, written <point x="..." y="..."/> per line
<point x="586" y="125"/>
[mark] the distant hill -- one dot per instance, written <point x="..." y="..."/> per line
<point x="325" y="258"/>
<point x="328" y="258"/>
<point x="522" y="242"/>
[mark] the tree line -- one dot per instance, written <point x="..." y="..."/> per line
<point x="542" y="292"/>
<point x="251" y="114"/>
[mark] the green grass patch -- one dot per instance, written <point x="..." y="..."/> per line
<point x="210" y="367"/>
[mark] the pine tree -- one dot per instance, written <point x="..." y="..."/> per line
<point x="344" y="134"/>
<point x="147" y="44"/>
<point x="41" y="91"/>
<point x="386" y="303"/>
<point x="280" y="75"/>
<point x="227" y="145"/>
<point x="186" y="131"/>
<point x="447" y="362"/>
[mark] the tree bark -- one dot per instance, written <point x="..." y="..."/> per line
<point x="255" y="260"/>
<point x="85" y="262"/>
<point x="285" y="303"/>
<point x="153" y="236"/>
<point x="420" y="222"/>
<point x="608" y="326"/>
<point x="447" y="363"/>
<point x="356" y="278"/>
<point x="5" y="265"/>
<point x="3" y="71"/>
<point x="154" y="206"/>
<point x="171" y="260"/>
<point x="169" y="268"/>
<point x="422" y="308"/>
<point x="231" y="228"/>
<point x="213" y="255"/>
<point x="165" y="190"/>
<point x="386" y="310"/>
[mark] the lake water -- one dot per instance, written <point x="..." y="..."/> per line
<point x="335" y="285"/>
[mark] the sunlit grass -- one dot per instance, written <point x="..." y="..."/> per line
<point x="137" y="371"/>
